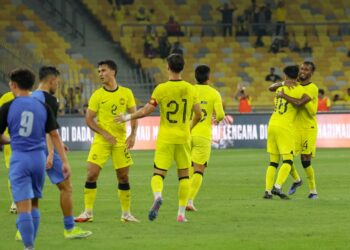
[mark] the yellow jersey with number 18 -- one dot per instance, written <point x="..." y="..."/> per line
<point x="175" y="99"/>
<point x="107" y="104"/>
<point x="284" y="113"/>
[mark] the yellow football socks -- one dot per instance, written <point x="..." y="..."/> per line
<point x="294" y="173"/>
<point x="270" y="178"/>
<point x="90" y="192"/>
<point x="125" y="200"/>
<point x="157" y="184"/>
<point x="183" y="192"/>
<point x="311" y="178"/>
<point x="195" y="184"/>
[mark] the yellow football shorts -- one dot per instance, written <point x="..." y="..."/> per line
<point x="280" y="140"/>
<point x="200" y="150"/>
<point x="100" y="153"/>
<point x="165" y="154"/>
<point x="306" y="141"/>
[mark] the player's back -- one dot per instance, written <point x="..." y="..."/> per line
<point x="284" y="113"/>
<point x="26" y="119"/>
<point x="210" y="102"/>
<point x="175" y="100"/>
<point x="48" y="99"/>
<point x="305" y="119"/>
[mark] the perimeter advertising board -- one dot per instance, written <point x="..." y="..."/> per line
<point x="236" y="131"/>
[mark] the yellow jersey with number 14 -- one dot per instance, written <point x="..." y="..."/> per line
<point x="210" y="102"/>
<point x="107" y="104"/>
<point x="284" y="113"/>
<point x="175" y="99"/>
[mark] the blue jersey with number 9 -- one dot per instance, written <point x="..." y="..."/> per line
<point x="28" y="121"/>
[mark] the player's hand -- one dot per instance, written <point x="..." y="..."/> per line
<point x="66" y="170"/>
<point x="130" y="141"/>
<point x="120" y="118"/>
<point x="290" y="83"/>
<point x="4" y="140"/>
<point x="49" y="161"/>
<point x="280" y="93"/>
<point x="110" y="138"/>
<point x="66" y="148"/>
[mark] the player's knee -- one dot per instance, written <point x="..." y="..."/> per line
<point x="65" y="186"/>
<point x="274" y="164"/>
<point x="123" y="178"/>
<point x="124" y="186"/>
<point x="92" y="176"/>
<point x="306" y="164"/>
<point x="290" y="162"/>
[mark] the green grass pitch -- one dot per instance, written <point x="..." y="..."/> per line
<point x="232" y="213"/>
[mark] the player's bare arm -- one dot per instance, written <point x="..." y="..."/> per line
<point x="90" y="121"/>
<point x="50" y="150"/>
<point x="295" y="101"/>
<point x="197" y="115"/>
<point x="130" y="141"/>
<point x="142" y="112"/>
<point x="58" y="144"/>
<point x="289" y="83"/>
<point x="4" y="140"/>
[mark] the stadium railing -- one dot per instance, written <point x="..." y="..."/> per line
<point x="215" y="29"/>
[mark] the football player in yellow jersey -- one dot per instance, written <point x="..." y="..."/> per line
<point x="306" y="127"/>
<point x="109" y="139"/>
<point x="210" y="102"/>
<point x="176" y="99"/>
<point x="281" y="135"/>
<point x="9" y="96"/>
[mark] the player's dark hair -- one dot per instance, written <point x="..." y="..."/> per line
<point x="46" y="71"/>
<point x="176" y="62"/>
<point x="111" y="65"/>
<point x="291" y="71"/>
<point x="24" y="78"/>
<point x="321" y="91"/>
<point x="313" y="67"/>
<point x="202" y="73"/>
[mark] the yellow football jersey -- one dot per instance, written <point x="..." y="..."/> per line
<point x="175" y="99"/>
<point x="210" y="101"/>
<point x="8" y="96"/>
<point x="285" y="113"/>
<point x="107" y="104"/>
<point x="306" y="117"/>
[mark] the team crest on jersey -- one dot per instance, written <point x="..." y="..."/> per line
<point x="122" y="101"/>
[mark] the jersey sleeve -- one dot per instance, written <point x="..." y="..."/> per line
<point x="195" y="95"/>
<point x="94" y="102"/>
<point x="51" y="123"/>
<point x="156" y="95"/>
<point x="4" y="110"/>
<point x="312" y="105"/>
<point x="218" y="108"/>
<point x="131" y="99"/>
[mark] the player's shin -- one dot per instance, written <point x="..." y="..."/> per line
<point x="90" y="192"/>
<point x="124" y="197"/>
<point x="183" y="192"/>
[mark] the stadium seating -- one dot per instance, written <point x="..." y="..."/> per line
<point x="235" y="60"/>
<point x="22" y="28"/>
